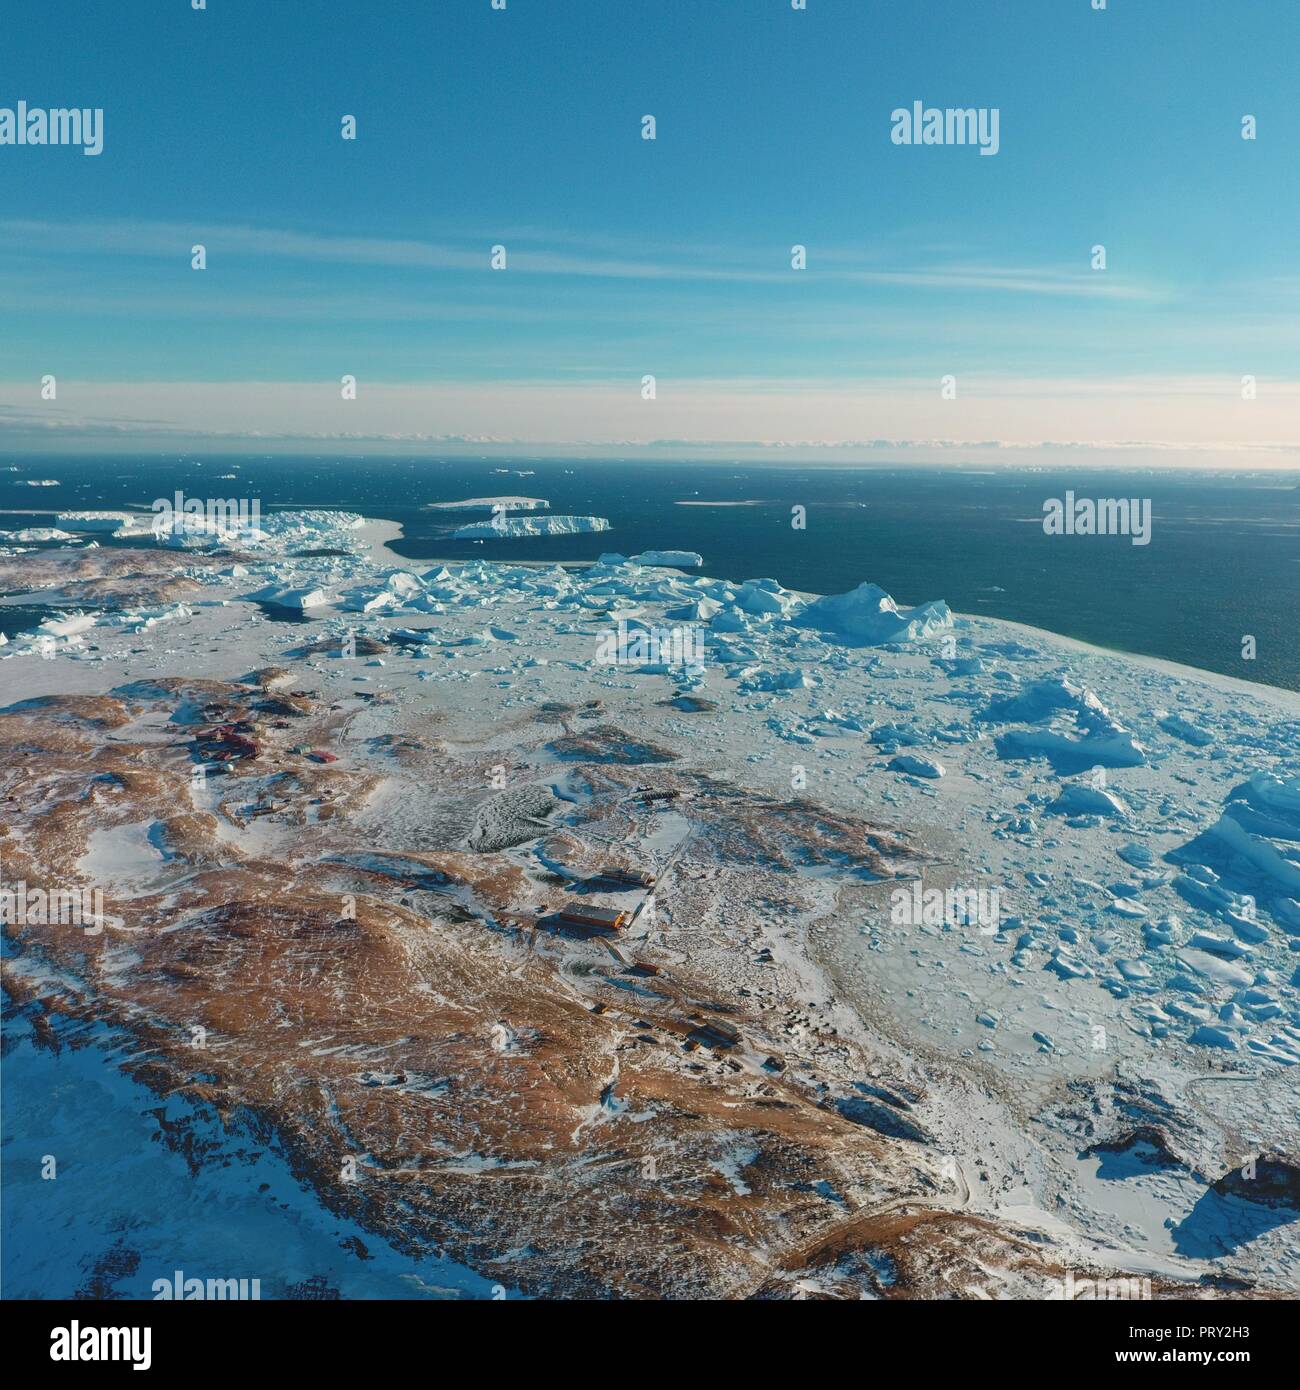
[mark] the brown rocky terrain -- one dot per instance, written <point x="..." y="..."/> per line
<point x="392" y="1011"/>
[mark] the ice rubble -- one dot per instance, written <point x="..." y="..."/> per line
<point x="277" y="539"/>
<point x="734" y="615"/>
<point x="67" y="632"/>
<point x="278" y="533"/>
<point x="1091" y="736"/>
<point x="37" y="535"/>
<point x="183" y="531"/>
<point x="1254" y="844"/>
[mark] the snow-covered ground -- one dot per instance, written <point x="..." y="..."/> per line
<point x="127" y="1204"/>
<point x="1136" y="827"/>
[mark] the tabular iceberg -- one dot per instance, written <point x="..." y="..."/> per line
<point x="503" y="527"/>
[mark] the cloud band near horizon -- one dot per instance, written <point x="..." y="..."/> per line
<point x="1203" y="416"/>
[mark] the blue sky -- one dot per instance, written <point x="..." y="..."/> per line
<point x="671" y="257"/>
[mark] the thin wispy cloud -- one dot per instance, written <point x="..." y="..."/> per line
<point x="539" y="256"/>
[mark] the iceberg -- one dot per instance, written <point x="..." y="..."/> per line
<point x="1220" y="945"/>
<point x="1067" y="967"/>
<point x="492" y="504"/>
<point x="895" y="734"/>
<point x="766" y="597"/>
<point x="1097" y="740"/>
<point x="38" y="535"/>
<point x="1080" y="800"/>
<point x="867" y="616"/>
<point x="917" y="766"/>
<point x="1215" y="969"/>
<point x="759" y="681"/>
<point x="1256" y="839"/>
<point x="1187" y="731"/>
<point x="504" y="527"/>
<point x="700" y="610"/>
<point x="69" y="625"/>
<point x="98" y="521"/>
<point x="289" y="597"/>
<point x="62" y="632"/>
<point x="672" y="559"/>
<point x="403" y="584"/>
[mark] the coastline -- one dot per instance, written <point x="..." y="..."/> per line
<point x="379" y="532"/>
<point x="784" y="918"/>
<point x="1285" y="699"/>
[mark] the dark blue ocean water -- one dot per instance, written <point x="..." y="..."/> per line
<point x="1223" y="561"/>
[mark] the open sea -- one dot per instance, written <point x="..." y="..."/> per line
<point x="1223" y="561"/>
